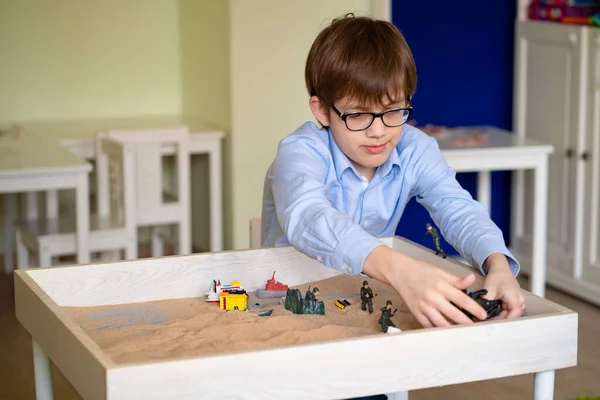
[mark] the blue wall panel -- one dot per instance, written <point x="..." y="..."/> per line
<point x="464" y="56"/>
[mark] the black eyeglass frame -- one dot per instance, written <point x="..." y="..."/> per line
<point x="374" y="115"/>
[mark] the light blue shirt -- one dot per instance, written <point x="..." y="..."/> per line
<point x="315" y="201"/>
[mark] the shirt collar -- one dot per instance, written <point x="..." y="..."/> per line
<point x="342" y="163"/>
<point x="387" y="166"/>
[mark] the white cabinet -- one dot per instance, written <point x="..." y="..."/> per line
<point x="590" y="260"/>
<point x="557" y="101"/>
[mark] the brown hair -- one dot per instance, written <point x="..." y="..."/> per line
<point x="362" y="58"/>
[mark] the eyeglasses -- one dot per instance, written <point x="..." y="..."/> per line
<point x="359" y="121"/>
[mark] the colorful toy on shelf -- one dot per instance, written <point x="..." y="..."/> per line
<point x="272" y="289"/>
<point x="562" y="11"/>
<point x="309" y="305"/>
<point x="596" y="19"/>
<point x="436" y="240"/>
<point x="342" y="303"/>
<point x="366" y="295"/>
<point x="385" y="320"/>
<point x="492" y="307"/>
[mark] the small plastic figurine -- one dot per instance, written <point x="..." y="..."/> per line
<point x="492" y="307"/>
<point x="342" y="303"/>
<point x="265" y="313"/>
<point x="234" y="299"/>
<point x="273" y="289"/>
<point x="307" y="305"/>
<point x="436" y="240"/>
<point x="386" y="316"/>
<point x="366" y="295"/>
<point x="312" y="296"/>
<point x="212" y="296"/>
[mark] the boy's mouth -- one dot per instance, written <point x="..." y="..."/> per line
<point x="375" y="149"/>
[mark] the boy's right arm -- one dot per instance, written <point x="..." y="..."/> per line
<point x="317" y="229"/>
<point x="311" y="223"/>
<point x="427" y="290"/>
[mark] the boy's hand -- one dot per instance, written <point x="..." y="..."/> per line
<point x="427" y="290"/>
<point x="502" y="285"/>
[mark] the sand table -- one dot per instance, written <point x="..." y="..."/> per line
<point x="170" y="329"/>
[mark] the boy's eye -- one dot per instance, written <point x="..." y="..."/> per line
<point x="358" y="117"/>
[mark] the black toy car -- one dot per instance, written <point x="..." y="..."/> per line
<point x="492" y="307"/>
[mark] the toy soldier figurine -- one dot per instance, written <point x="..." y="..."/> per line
<point x="386" y="315"/>
<point x="436" y="240"/>
<point x="366" y="294"/>
<point x="312" y="295"/>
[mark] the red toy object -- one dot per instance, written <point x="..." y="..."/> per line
<point x="272" y="284"/>
<point x="272" y="289"/>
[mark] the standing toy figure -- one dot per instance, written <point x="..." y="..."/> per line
<point x="436" y="240"/>
<point x="366" y="294"/>
<point x="312" y="296"/>
<point x="386" y="314"/>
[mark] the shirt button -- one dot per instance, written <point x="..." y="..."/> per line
<point x="344" y="267"/>
<point x="349" y="270"/>
<point x="319" y="259"/>
<point x="365" y="223"/>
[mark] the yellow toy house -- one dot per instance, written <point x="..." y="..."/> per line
<point x="234" y="298"/>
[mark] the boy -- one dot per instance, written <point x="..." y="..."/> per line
<point x="333" y="190"/>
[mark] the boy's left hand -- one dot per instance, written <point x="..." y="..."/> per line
<point x="501" y="284"/>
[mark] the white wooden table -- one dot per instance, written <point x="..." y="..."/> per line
<point x="543" y="340"/>
<point x="504" y="152"/>
<point x="29" y="164"/>
<point x="78" y="137"/>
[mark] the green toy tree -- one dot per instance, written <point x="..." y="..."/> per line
<point x="296" y="304"/>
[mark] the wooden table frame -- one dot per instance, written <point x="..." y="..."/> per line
<point x="544" y="340"/>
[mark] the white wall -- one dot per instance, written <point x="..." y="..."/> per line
<point x="237" y="64"/>
<point x="69" y="59"/>
<point x="270" y="40"/>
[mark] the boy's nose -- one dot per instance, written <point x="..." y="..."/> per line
<point x="377" y="129"/>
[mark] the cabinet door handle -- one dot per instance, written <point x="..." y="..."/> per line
<point x="585" y="155"/>
<point x="569" y="153"/>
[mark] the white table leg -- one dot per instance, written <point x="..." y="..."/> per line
<point x="42" y="369"/>
<point x="52" y="204"/>
<point x="30" y="205"/>
<point x="83" y="219"/>
<point x="484" y="190"/>
<point x="538" y="269"/>
<point x="216" y="198"/>
<point x="543" y="385"/>
<point x="397" y="396"/>
<point x="8" y="203"/>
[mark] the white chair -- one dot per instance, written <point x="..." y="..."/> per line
<point x="109" y="232"/>
<point x="157" y="207"/>
<point x="255" y="233"/>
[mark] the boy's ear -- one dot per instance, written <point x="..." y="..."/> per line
<point x="319" y="110"/>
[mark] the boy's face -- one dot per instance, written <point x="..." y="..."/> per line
<point x="366" y="149"/>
